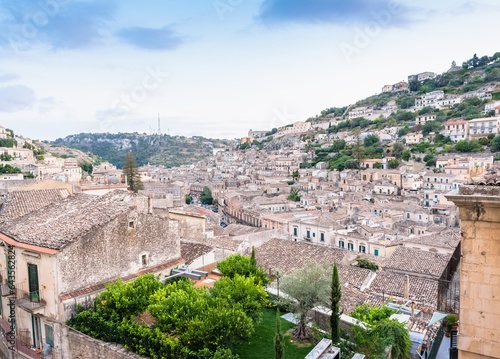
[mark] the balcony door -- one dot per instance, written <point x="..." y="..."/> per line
<point x="33" y="282"/>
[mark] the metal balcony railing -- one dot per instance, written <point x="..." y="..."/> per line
<point x="31" y="300"/>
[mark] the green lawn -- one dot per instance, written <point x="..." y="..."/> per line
<point x="261" y="343"/>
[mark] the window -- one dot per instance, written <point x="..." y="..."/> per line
<point x="362" y="249"/>
<point x="408" y="215"/>
<point x="144" y="259"/>
<point x="49" y="335"/>
<point x="322" y="237"/>
<point x="314" y="234"/>
<point x="308" y="234"/>
<point x="350" y="246"/>
<point x="341" y="244"/>
<point x="295" y="231"/>
<point x="376" y="252"/>
<point x="131" y="224"/>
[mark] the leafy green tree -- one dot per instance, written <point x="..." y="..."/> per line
<point x="335" y="297"/>
<point x="308" y="287"/>
<point x="131" y="298"/>
<point x="131" y="172"/>
<point x="397" y="149"/>
<point x="189" y="199"/>
<point x="40" y="158"/>
<point x="491" y="136"/>
<point x="241" y="265"/>
<point x="199" y="318"/>
<point x="279" y="346"/>
<point x="29" y="175"/>
<point x="484" y="141"/>
<point x="371" y="140"/>
<point x="8" y="142"/>
<point x="294" y="196"/>
<point x="495" y="144"/>
<point x="9" y="169"/>
<point x="338" y="145"/>
<point x="86" y="167"/>
<point x="431" y="126"/>
<point x="241" y="291"/>
<point x="414" y="85"/>
<point x="448" y="148"/>
<point x="371" y="314"/>
<point x="5" y="157"/>
<point x="206" y="196"/>
<point x="393" y="163"/>
<point x="377" y="165"/>
<point x="405" y="155"/>
<point x="367" y="264"/>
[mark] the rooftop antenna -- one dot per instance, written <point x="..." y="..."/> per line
<point x="159" y="131"/>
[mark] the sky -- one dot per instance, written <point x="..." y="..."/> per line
<point x="217" y="68"/>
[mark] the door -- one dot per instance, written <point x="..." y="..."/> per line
<point x="37" y="329"/>
<point x="33" y="282"/>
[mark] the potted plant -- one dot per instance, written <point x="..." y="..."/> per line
<point x="450" y="323"/>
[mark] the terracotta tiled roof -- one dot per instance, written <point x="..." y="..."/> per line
<point x="192" y="250"/>
<point x="62" y="222"/>
<point x="423" y="290"/>
<point x="285" y="256"/>
<point x="449" y="240"/>
<point x="223" y="242"/>
<point x="19" y="203"/>
<point x="417" y="261"/>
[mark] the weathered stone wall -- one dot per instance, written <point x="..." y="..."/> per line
<point x="191" y="227"/>
<point x="6" y="186"/>
<point x="479" y="335"/>
<point x="116" y="249"/>
<point x="85" y="347"/>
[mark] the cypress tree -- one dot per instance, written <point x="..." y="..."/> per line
<point x="131" y="171"/>
<point x="253" y="261"/>
<point x="278" y="340"/>
<point x="336" y="295"/>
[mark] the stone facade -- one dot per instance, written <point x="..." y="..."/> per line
<point x="116" y="250"/>
<point x="479" y="334"/>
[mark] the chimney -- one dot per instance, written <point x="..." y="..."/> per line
<point x="406" y="287"/>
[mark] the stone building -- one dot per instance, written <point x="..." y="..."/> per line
<point x="479" y="207"/>
<point x="65" y="252"/>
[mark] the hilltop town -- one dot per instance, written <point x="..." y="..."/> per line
<point x="365" y="186"/>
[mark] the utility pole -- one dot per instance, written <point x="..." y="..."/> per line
<point x="159" y="130"/>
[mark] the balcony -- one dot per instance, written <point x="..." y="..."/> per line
<point x="30" y="301"/>
<point x="23" y="342"/>
<point x="306" y="238"/>
<point x="5" y="289"/>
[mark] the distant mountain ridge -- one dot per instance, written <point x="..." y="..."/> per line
<point x="164" y="150"/>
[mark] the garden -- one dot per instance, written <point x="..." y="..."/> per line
<point x="235" y="318"/>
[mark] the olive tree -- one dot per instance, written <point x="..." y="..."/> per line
<point x="307" y="287"/>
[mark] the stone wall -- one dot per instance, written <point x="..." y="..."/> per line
<point x="6" y="186"/>
<point x="116" y="250"/>
<point x="479" y="332"/>
<point x="85" y="347"/>
<point x="191" y="227"/>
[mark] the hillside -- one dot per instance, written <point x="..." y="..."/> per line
<point x="163" y="150"/>
<point x="65" y="152"/>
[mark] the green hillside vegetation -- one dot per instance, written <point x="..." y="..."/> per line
<point x="164" y="150"/>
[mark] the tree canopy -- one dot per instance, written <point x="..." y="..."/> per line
<point x="131" y="172"/>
